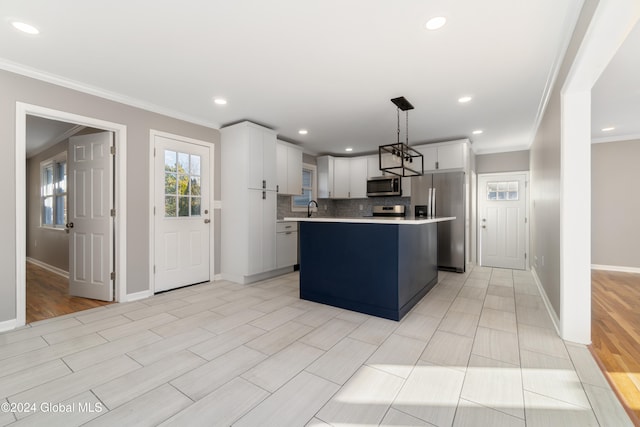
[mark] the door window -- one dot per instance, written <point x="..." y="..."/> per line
<point x="182" y="175"/>
<point x="503" y="190"/>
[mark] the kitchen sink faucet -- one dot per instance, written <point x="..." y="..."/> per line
<point x="309" y="207"/>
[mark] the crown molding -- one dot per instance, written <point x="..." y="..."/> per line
<point x="44" y="76"/>
<point x="616" y="138"/>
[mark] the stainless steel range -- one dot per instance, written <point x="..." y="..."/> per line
<point x="389" y="211"/>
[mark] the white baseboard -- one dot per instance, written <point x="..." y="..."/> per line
<point x="547" y="303"/>
<point x="7" y="325"/>
<point x="48" y="267"/>
<point x="616" y="268"/>
<point x="137" y="296"/>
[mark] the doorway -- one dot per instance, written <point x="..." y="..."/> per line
<point x="118" y="184"/>
<point x="55" y="201"/>
<point x="502" y="220"/>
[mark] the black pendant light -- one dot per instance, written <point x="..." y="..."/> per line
<point x="400" y="159"/>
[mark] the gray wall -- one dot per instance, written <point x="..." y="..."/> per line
<point x="615" y="204"/>
<point x="545" y="174"/>
<point x="50" y="246"/>
<point x="514" y="161"/>
<point x="139" y="122"/>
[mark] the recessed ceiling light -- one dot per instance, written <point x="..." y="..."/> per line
<point x="607" y="129"/>
<point x="435" y="23"/>
<point x="349" y="149"/>
<point x="220" y="101"/>
<point x="464" y="99"/>
<point x="25" y="28"/>
<point x="477" y="132"/>
<point x="303" y="131"/>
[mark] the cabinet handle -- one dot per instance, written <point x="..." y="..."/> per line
<point x="277" y="188"/>
<point x="288" y="232"/>
<point x="437" y="165"/>
<point x="349" y="194"/>
<point x="264" y="195"/>
<point x="288" y="226"/>
<point x="264" y="183"/>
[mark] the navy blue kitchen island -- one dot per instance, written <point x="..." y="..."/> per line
<point x="381" y="267"/>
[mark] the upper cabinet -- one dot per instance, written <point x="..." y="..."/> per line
<point x="254" y="154"/>
<point x="289" y="168"/>
<point x="342" y="177"/>
<point x="446" y="155"/>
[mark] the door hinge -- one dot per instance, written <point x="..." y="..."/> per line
<point x="526" y="220"/>
<point x="154" y="152"/>
<point x="154" y="210"/>
<point x="113" y="150"/>
<point x="113" y="212"/>
<point x="154" y="269"/>
<point x="113" y="275"/>
<point x="525" y="255"/>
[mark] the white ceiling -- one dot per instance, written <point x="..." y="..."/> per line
<point x="45" y="133"/>
<point x="328" y="66"/>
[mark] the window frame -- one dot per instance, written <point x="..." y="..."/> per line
<point x="52" y="163"/>
<point x="313" y="188"/>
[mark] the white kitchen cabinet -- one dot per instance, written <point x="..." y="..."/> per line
<point x="341" y="178"/>
<point x="286" y="244"/>
<point x="325" y="166"/>
<point x="248" y="214"/>
<point x="289" y="168"/>
<point x="357" y="177"/>
<point x="429" y="156"/>
<point x="261" y="231"/>
<point x="373" y="166"/>
<point x="446" y="155"/>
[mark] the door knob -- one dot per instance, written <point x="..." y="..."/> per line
<point x="484" y="226"/>
<point x="69" y="225"/>
<point x="207" y="221"/>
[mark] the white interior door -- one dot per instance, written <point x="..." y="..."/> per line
<point x="182" y="213"/>
<point x="502" y="204"/>
<point x="89" y="219"/>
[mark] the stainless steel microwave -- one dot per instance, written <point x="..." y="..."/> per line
<point x="384" y="186"/>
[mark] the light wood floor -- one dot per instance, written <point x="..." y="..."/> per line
<point x="478" y="350"/>
<point x="48" y="295"/>
<point x="615" y="332"/>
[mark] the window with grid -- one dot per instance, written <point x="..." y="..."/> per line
<point x="299" y="203"/>
<point x="53" y="192"/>
<point x="182" y="196"/>
<point x="504" y="190"/>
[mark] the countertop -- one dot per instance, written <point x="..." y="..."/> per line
<point x="375" y="220"/>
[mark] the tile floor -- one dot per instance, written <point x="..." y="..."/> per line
<point x="478" y="350"/>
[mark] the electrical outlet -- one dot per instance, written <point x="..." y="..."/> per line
<point x="360" y="207"/>
<point x="325" y="207"/>
<point x="543" y="260"/>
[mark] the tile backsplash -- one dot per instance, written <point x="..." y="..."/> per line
<point x="341" y="208"/>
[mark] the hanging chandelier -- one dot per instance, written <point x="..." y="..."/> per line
<point x="398" y="158"/>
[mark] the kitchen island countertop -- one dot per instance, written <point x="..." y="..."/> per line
<point x="410" y="220"/>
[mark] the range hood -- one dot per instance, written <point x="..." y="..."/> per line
<point x="398" y="158"/>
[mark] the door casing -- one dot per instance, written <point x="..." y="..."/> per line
<point x="120" y="188"/>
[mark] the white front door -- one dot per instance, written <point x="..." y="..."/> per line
<point x="502" y="204"/>
<point x="182" y="213"/>
<point x="89" y="220"/>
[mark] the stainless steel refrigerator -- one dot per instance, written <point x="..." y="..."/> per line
<point x="442" y="195"/>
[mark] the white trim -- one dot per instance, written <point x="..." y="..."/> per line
<point x="136" y="296"/>
<point x="547" y="303"/>
<point x="8" y="325"/>
<point x="215" y="204"/>
<point x="102" y="93"/>
<point x="617" y="138"/>
<point x="120" y="143"/>
<point x="48" y="267"/>
<point x="621" y="269"/>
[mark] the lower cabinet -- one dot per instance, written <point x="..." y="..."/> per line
<point x="286" y="244"/>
